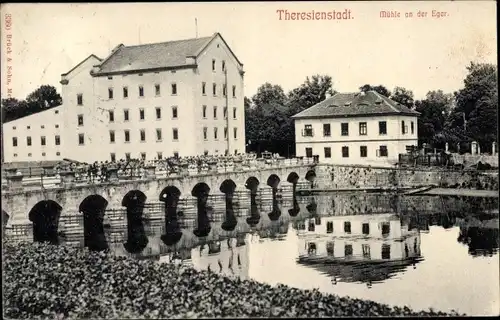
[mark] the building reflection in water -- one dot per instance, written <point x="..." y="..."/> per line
<point x="358" y="248"/>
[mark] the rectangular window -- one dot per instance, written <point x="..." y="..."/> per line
<point x="157" y="89"/>
<point x="42" y="140"/>
<point x="348" y="250"/>
<point x="159" y="155"/>
<point x="311" y="226"/>
<point x="204" y="111"/>
<point x="127" y="156"/>
<point x="326" y="130"/>
<point x="224" y="88"/>
<point x="225" y="133"/>
<point x="214" y="89"/>
<point x="366" y="228"/>
<point x="203" y="88"/>
<point x="215" y="112"/>
<point x="174" y="89"/>
<point x="347" y="227"/>
<point x="80" y="120"/>
<point x="363" y="151"/>
<point x="127" y="136"/>
<point x="158" y="113"/>
<point x="234" y="91"/>
<point x="345" y="152"/>
<point x="175" y="134"/>
<point x="111" y="116"/>
<point x="141" y="91"/>
<point x="330" y="248"/>
<point x="14" y="142"/>
<point x="125" y="115"/>
<point x="328" y="152"/>
<point x="79" y="99"/>
<point x="308" y="130"/>
<point x="205" y="133"/>
<point x="234" y="113"/>
<point x="143" y="135"/>
<point x="125" y="92"/>
<point x="112" y="136"/>
<point x="215" y="133"/>
<point x="113" y="157"/>
<point x="235" y="133"/>
<point x="344" y="129"/>
<point x="386" y="229"/>
<point x="363" y="129"/>
<point x="81" y="139"/>
<point x="110" y="93"/>
<point x="213" y="65"/>
<point x="403" y="127"/>
<point x="141" y="114"/>
<point x="412" y="127"/>
<point x="57" y="140"/>
<point x="382" y="152"/>
<point x="382" y="127"/>
<point x="57" y="126"/>
<point x="28" y="141"/>
<point x="223" y="65"/>
<point x="225" y="112"/>
<point x="366" y="250"/>
<point x="329" y="227"/>
<point x="309" y="152"/>
<point x="174" y="112"/>
<point x="386" y="251"/>
<point x="158" y="134"/>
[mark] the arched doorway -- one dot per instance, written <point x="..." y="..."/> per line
<point x="228" y="187"/>
<point x="137" y="240"/>
<point x="93" y="209"/>
<point x="45" y="217"/>
<point x="173" y="233"/>
<point x="201" y="191"/>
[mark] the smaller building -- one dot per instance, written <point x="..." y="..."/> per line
<point x="364" y="128"/>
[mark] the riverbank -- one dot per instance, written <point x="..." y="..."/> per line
<point x="43" y="281"/>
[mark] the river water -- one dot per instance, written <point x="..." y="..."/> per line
<point x="422" y="252"/>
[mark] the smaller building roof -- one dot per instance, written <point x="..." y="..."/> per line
<point x="357" y="104"/>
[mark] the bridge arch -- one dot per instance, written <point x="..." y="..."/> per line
<point x="137" y="240"/>
<point x="252" y="183"/>
<point x="93" y="209"/>
<point x="170" y="196"/>
<point x="45" y="217"/>
<point x="227" y="186"/>
<point x="293" y="177"/>
<point x="273" y="181"/>
<point x="201" y="191"/>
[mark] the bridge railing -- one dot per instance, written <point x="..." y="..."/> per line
<point x="81" y="175"/>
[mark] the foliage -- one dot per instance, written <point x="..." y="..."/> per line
<point x="380" y="89"/>
<point x="268" y="113"/>
<point x="44" y="281"/>
<point x="403" y="96"/>
<point x="433" y="113"/>
<point x="43" y="98"/>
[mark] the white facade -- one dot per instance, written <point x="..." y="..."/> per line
<point x="363" y="139"/>
<point x="90" y="114"/>
<point x="373" y="237"/>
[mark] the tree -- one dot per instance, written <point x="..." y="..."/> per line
<point x="477" y="104"/>
<point x="309" y="93"/>
<point x="403" y="96"/>
<point x="43" y="98"/>
<point x="380" y="89"/>
<point x="269" y="94"/>
<point x="433" y="114"/>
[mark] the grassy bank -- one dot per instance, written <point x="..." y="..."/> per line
<point x="43" y="281"/>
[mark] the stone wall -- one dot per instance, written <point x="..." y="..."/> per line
<point x="339" y="177"/>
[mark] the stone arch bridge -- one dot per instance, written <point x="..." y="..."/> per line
<point x="18" y="203"/>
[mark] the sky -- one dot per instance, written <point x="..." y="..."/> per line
<point x="418" y="53"/>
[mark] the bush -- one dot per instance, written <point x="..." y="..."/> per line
<point x="43" y="281"/>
